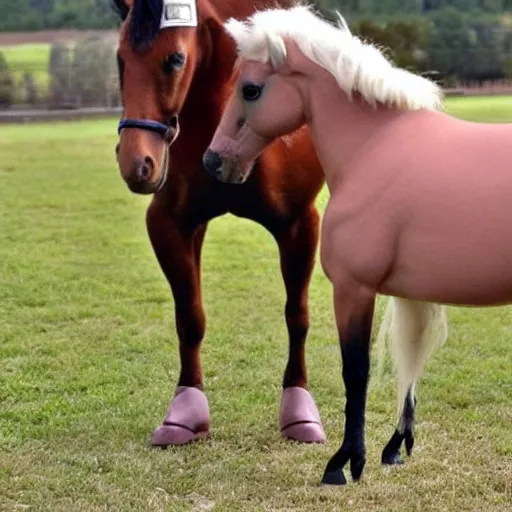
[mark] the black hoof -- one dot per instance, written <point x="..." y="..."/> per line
<point x="394" y="459"/>
<point x="347" y="453"/>
<point x="335" y="477"/>
<point x="356" y="467"/>
<point x="391" y="453"/>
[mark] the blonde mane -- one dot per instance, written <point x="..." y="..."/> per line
<point x="355" y="64"/>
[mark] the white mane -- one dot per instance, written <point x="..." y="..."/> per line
<point x="356" y="65"/>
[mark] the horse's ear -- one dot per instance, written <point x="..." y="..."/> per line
<point x="122" y="7"/>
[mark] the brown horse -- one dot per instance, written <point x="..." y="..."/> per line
<point x="176" y="65"/>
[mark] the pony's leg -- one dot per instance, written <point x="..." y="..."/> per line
<point x="298" y="417"/>
<point x="416" y="329"/>
<point x="179" y="252"/>
<point x="404" y="432"/>
<point x="353" y="307"/>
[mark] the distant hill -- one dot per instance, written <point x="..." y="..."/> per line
<point x="34" y="15"/>
<point x="31" y="15"/>
<point x="468" y="40"/>
<point x="377" y="8"/>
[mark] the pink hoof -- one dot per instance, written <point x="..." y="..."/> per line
<point x="187" y="419"/>
<point x="299" y="418"/>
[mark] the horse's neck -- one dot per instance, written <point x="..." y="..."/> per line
<point x="242" y="8"/>
<point x="212" y="80"/>
<point x="342" y="128"/>
<point x="211" y="84"/>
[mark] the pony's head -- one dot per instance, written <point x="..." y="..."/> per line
<point x="264" y="105"/>
<point x="162" y="45"/>
<point x="279" y="50"/>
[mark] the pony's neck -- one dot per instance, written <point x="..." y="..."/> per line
<point x="342" y="128"/>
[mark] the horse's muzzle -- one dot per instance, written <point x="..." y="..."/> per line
<point x="139" y="180"/>
<point x="144" y="177"/>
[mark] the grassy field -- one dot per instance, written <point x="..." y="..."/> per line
<point x="88" y="361"/>
<point x="495" y="109"/>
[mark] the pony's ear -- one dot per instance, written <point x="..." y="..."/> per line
<point x="236" y="29"/>
<point x="257" y="42"/>
<point x="296" y="62"/>
<point x="276" y="50"/>
<point x="122" y="7"/>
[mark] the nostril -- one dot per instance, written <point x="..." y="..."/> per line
<point x="149" y="162"/>
<point x="212" y="162"/>
<point x="146" y="169"/>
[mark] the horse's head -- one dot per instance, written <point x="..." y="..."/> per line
<point x="161" y="45"/>
<point x="265" y="104"/>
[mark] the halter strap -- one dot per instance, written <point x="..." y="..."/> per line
<point x="144" y="124"/>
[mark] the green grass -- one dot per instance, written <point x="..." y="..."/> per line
<point x="29" y="58"/>
<point x="495" y="109"/>
<point x="88" y="362"/>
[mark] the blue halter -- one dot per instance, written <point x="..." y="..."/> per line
<point x="143" y="124"/>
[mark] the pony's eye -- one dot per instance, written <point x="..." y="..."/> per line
<point x="251" y="92"/>
<point x="173" y="62"/>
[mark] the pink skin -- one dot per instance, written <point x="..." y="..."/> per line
<point x="247" y="128"/>
<point x="419" y="206"/>
<point x="444" y="190"/>
<point x="188" y="418"/>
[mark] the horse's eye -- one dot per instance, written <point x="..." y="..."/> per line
<point x="173" y="62"/>
<point x="251" y="92"/>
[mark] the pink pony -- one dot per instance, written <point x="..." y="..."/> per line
<point x="419" y="201"/>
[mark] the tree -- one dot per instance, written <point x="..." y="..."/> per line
<point x="450" y="41"/>
<point x="30" y="88"/>
<point x="6" y="83"/>
<point x="94" y="72"/>
<point x="60" y="75"/>
<point x="403" y="41"/>
<point x="49" y="14"/>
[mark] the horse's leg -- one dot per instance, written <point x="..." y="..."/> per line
<point x="179" y="252"/>
<point x="298" y="417"/>
<point x="416" y="329"/>
<point x="353" y="307"/>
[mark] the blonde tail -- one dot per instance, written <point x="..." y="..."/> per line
<point x="415" y="329"/>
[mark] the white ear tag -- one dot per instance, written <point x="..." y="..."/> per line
<point x="179" y="13"/>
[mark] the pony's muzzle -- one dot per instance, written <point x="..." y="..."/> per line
<point x="223" y="168"/>
<point x="212" y="163"/>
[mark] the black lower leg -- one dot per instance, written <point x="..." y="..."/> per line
<point x="356" y="366"/>
<point x="404" y="432"/>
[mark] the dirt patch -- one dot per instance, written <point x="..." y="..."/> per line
<point x="49" y="36"/>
